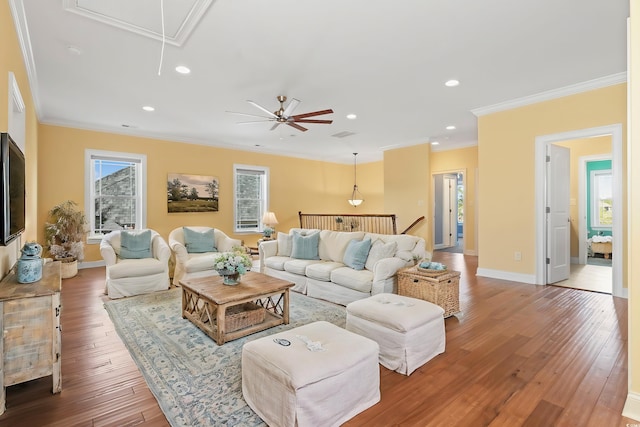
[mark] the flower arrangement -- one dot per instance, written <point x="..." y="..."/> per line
<point x="236" y="261"/>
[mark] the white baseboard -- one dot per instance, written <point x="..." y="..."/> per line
<point x="632" y="406"/>
<point x="471" y="252"/>
<point x="506" y="275"/>
<point x="90" y="264"/>
<point x="575" y="260"/>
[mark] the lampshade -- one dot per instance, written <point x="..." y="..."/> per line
<point x="269" y="218"/>
<point x="356" y="198"/>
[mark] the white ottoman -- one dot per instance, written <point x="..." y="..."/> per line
<point x="410" y="331"/>
<point x="294" y="386"/>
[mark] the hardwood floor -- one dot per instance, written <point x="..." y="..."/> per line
<point x="519" y="355"/>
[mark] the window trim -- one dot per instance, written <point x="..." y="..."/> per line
<point x="265" y="171"/>
<point x="89" y="205"/>
<point x="595" y="214"/>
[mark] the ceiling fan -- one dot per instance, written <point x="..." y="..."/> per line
<point x="284" y="115"/>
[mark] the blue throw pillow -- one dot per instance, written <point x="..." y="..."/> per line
<point x="199" y="241"/>
<point x="356" y="253"/>
<point x="135" y="244"/>
<point x="305" y="247"/>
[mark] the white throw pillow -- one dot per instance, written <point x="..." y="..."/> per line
<point x="284" y="244"/>
<point x="380" y="250"/>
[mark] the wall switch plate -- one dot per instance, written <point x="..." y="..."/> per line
<point x="517" y="255"/>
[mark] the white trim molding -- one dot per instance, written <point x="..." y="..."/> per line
<point x="506" y="275"/>
<point x="632" y="406"/>
<point x="598" y="83"/>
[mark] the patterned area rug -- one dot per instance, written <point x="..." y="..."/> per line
<point x="197" y="382"/>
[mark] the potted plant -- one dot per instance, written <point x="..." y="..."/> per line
<point x="230" y="265"/>
<point x="65" y="231"/>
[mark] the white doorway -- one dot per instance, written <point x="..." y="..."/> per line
<point x="542" y="186"/>
<point x="448" y="211"/>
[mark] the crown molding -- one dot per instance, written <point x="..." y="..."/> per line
<point x="598" y="83"/>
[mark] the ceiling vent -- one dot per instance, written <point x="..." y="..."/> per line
<point x="343" y="134"/>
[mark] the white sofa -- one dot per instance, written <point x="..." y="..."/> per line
<point x="189" y="265"/>
<point x="328" y="277"/>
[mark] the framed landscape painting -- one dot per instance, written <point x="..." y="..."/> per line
<point x="191" y="193"/>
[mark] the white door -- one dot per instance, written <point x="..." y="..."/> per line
<point x="558" y="218"/>
<point x="449" y="214"/>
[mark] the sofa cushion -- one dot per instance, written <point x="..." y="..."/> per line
<point x="322" y="270"/>
<point x="359" y="280"/>
<point x="299" y="266"/>
<point x="378" y="251"/>
<point x="135" y="268"/>
<point x="356" y="253"/>
<point x="305" y="247"/>
<point x="199" y="241"/>
<point x="405" y="242"/>
<point x="285" y="242"/>
<point x="135" y="244"/>
<point x="200" y="262"/>
<point x="333" y="244"/>
<point x="276" y="262"/>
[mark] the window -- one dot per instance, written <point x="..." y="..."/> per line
<point x="250" y="185"/>
<point x="115" y="192"/>
<point x="601" y="199"/>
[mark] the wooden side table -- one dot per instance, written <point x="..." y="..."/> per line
<point x="30" y="323"/>
<point x="443" y="290"/>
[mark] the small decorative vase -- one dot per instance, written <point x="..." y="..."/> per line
<point x="229" y="277"/>
<point x="29" y="267"/>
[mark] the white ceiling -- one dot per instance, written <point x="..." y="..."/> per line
<point x="93" y="64"/>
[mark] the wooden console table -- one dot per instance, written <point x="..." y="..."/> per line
<point x="30" y="323"/>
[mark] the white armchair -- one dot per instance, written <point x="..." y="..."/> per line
<point x="134" y="276"/>
<point x="197" y="264"/>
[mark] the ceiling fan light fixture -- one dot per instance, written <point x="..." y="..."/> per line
<point x="356" y="197"/>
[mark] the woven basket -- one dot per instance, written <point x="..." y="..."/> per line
<point x="430" y="272"/>
<point x="243" y="315"/>
<point x="442" y="289"/>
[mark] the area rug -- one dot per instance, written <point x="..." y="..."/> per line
<point x="197" y="382"/>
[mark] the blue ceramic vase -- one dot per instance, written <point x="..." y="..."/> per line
<point x="29" y="268"/>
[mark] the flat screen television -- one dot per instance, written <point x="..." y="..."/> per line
<point x="12" y="190"/>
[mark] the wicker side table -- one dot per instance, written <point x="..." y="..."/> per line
<point x="443" y="290"/>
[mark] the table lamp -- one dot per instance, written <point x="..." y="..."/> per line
<point x="269" y="220"/>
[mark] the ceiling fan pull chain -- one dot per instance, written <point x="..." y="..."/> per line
<point x="162" y="49"/>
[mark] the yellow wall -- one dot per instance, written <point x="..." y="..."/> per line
<point x="296" y="184"/>
<point x="506" y="158"/>
<point x="632" y="406"/>
<point x="407" y="183"/>
<point x="11" y="61"/>
<point x="580" y="148"/>
<point x="465" y="160"/>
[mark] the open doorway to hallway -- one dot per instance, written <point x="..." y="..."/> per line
<point x="448" y="221"/>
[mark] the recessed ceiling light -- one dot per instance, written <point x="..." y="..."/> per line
<point x="435" y="143"/>
<point x="451" y="83"/>
<point x="182" y="69"/>
<point x="148" y="108"/>
<point x="351" y="116"/>
<point x="451" y="127"/>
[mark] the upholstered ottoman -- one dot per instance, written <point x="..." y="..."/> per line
<point x="410" y="331"/>
<point x="291" y="385"/>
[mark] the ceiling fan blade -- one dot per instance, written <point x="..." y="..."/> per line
<point x="275" y="125"/>
<point x="300" y="128"/>
<point x="324" y="122"/>
<point x="250" y="115"/>
<point x="315" y="113"/>
<point x="269" y="113"/>
<point x="292" y="106"/>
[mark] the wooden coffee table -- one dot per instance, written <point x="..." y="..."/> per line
<point x="205" y="302"/>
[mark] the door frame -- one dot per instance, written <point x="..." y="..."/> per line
<point x="464" y="204"/>
<point x="541" y="142"/>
